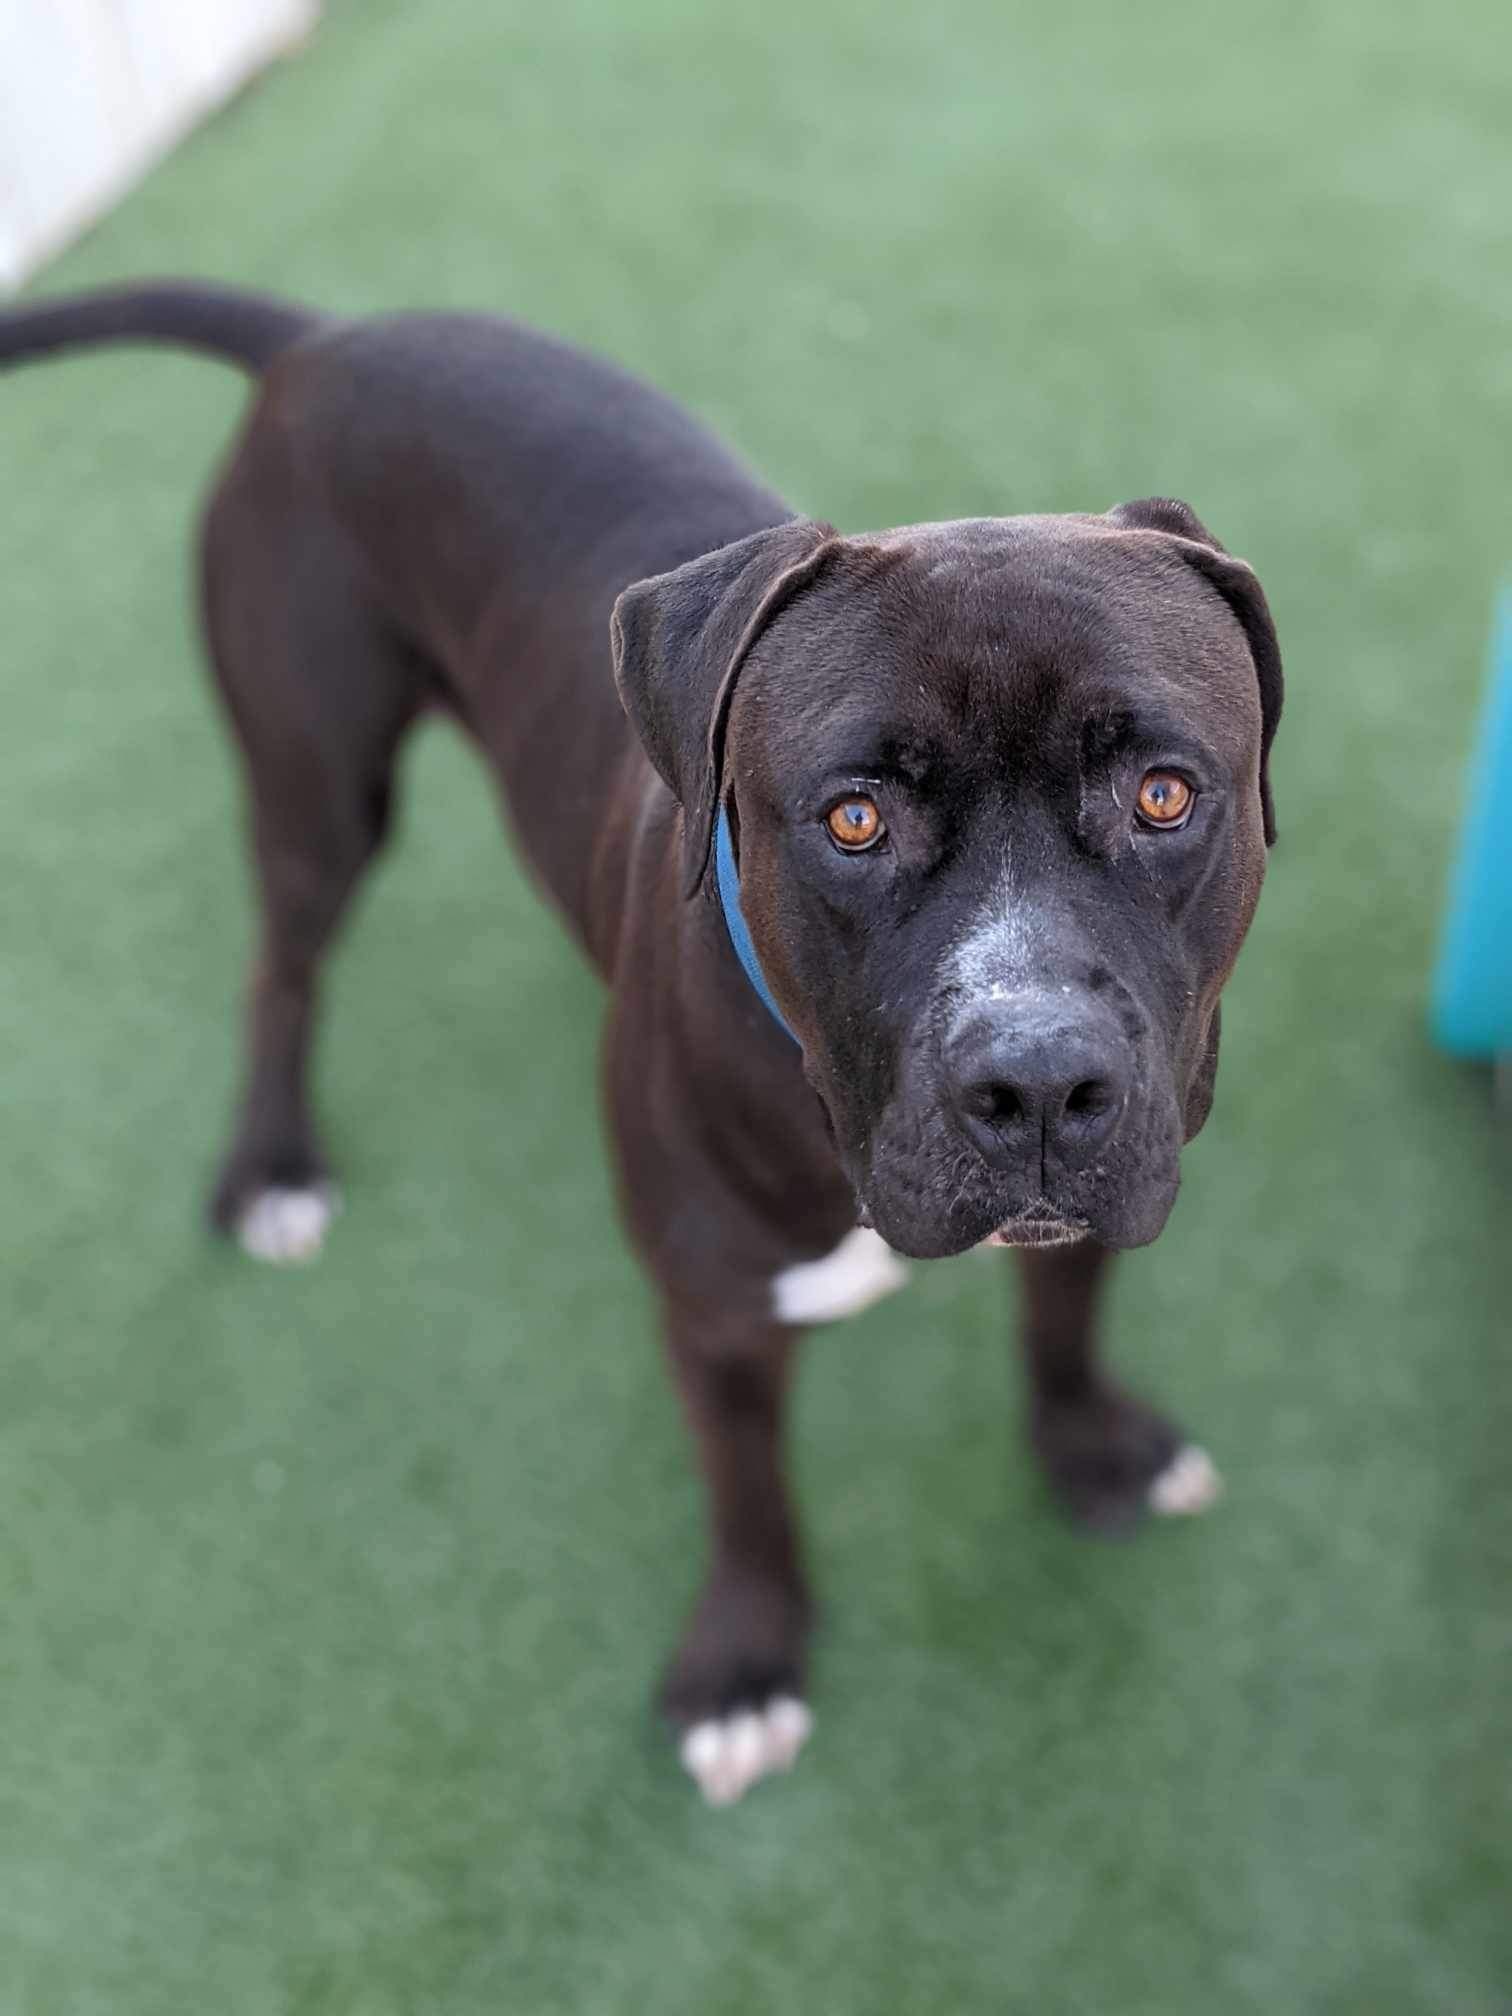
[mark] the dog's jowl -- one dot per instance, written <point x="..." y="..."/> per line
<point x="914" y="861"/>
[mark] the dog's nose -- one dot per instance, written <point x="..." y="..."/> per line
<point x="1037" y="1078"/>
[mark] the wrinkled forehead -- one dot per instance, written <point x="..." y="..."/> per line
<point x="1007" y="629"/>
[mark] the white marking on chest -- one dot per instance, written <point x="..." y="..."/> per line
<point x="860" y="1271"/>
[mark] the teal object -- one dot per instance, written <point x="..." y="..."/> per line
<point x="728" y="876"/>
<point x="1472" y="993"/>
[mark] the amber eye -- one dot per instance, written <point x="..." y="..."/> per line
<point x="855" y="824"/>
<point x="1165" y="799"/>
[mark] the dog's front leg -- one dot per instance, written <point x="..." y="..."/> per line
<point x="1108" y="1457"/>
<point x="734" y="1688"/>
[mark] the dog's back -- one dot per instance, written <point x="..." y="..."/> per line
<point x="501" y="488"/>
<point x="452" y="500"/>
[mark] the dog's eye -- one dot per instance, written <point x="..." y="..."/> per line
<point x="1165" y="799"/>
<point x="855" y="824"/>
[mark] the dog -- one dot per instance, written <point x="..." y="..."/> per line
<point x="915" y="863"/>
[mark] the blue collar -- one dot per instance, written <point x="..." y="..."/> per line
<point x="728" y="877"/>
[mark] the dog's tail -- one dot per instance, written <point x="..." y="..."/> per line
<point x="245" y="329"/>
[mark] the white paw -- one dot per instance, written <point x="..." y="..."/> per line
<point x="1189" y="1483"/>
<point x="287" y="1226"/>
<point x="726" y="1758"/>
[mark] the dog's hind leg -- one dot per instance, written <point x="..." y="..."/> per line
<point x="320" y="693"/>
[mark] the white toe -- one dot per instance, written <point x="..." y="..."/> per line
<point x="287" y="1226"/>
<point x="745" y="1750"/>
<point x="726" y="1758"/>
<point x="703" y="1756"/>
<point x="788" y="1727"/>
<point x="1189" y="1483"/>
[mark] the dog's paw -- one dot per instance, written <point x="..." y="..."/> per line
<point x="1110" y="1460"/>
<point x="287" y="1226"/>
<point x="1189" y="1483"/>
<point x="734" y="1692"/>
<point x="726" y="1756"/>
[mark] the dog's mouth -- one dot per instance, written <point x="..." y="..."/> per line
<point x="908" y="1217"/>
<point x="1038" y="1228"/>
<point x="1037" y="1225"/>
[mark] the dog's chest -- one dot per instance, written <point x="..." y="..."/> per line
<point x="860" y="1271"/>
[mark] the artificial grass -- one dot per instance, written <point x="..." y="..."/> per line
<point x="332" y="1601"/>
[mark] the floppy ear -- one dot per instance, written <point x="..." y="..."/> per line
<point x="680" y="640"/>
<point x="1237" y="584"/>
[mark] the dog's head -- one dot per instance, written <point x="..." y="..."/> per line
<point x="999" y="795"/>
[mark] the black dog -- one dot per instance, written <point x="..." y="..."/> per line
<point x="915" y="862"/>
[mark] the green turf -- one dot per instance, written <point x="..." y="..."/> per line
<point x="332" y="1601"/>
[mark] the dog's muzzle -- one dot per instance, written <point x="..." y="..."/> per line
<point x="1038" y="1082"/>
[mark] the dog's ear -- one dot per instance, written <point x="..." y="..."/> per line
<point x="1236" y="583"/>
<point x="680" y="640"/>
